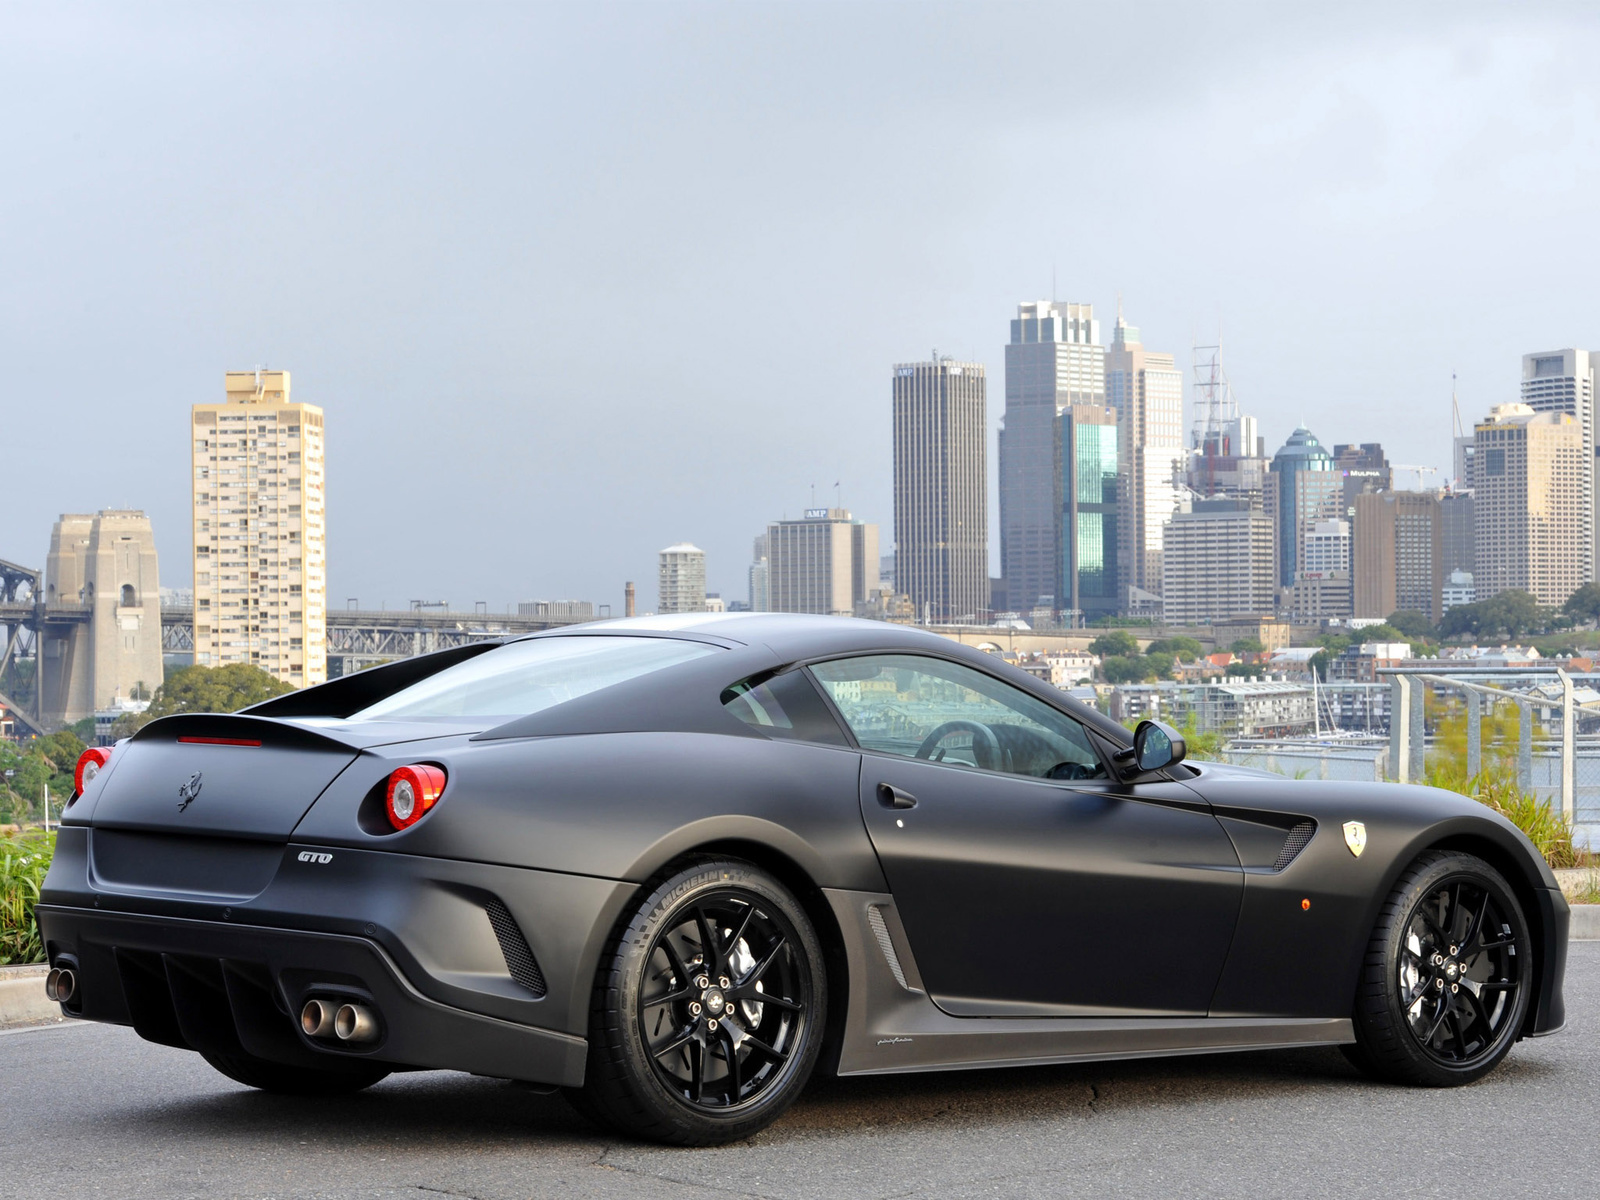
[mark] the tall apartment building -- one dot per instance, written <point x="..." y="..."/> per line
<point x="1304" y="488"/>
<point x="825" y="563"/>
<point x="1563" y="381"/>
<point x="260" y="530"/>
<point x="760" y="576"/>
<point x="1399" y="559"/>
<point x="681" y="579"/>
<point x="1054" y="359"/>
<point x="1528" y="507"/>
<point x="1218" y="563"/>
<point x="941" y="497"/>
<point x="1146" y="390"/>
<point x="1090" y="486"/>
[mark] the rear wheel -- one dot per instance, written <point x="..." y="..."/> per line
<point x="1446" y="981"/>
<point x="295" y="1081"/>
<point x="708" y="1012"/>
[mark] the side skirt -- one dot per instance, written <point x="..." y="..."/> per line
<point x="893" y="1026"/>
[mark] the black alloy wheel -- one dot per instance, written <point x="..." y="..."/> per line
<point x="1446" y="982"/>
<point x="709" y="1010"/>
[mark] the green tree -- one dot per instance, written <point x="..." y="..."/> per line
<point x="205" y="689"/>
<point x="1247" y="645"/>
<point x="1584" y="604"/>
<point x="1128" y="668"/>
<point x="1115" y="645"/>
<point x="1186" y="648"/>
<point x="1412" y="625"/>
<point x="1512" y="613"/>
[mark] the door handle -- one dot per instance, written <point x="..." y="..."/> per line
<point x="893" y="797"/>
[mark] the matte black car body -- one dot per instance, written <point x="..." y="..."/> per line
<point x="1002" y="921"/>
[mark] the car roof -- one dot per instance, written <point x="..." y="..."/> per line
<point x="788" y="635"/>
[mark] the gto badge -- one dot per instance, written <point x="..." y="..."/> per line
<point x="188" y="791"/>
<point x="311" y="856"/>
<point x="1355" y="836"/>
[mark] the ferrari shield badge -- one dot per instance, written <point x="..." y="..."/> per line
<point x="1355" y="836"/>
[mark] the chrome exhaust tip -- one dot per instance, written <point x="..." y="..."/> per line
<point x="355" y="1023"/>
<point x="61" y="985"/>
<point x="317" y="1018"/>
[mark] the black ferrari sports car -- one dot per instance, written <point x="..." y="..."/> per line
<point x="678" y="865"/>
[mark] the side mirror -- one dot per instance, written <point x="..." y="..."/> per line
<point x="1156" y="745"/>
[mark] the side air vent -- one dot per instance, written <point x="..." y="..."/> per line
<point x="1299" y="837"/>
<point x="520" y="962"/>
<point x="880" y="930"/>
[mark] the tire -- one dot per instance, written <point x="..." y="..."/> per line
<point x="696" y="1048"/>
<point x="1447" y="977"/>
<point x="295" y="1081"/>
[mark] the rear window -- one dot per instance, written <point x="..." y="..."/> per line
<point x="526" y="677"/>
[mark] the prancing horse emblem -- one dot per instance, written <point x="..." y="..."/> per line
<point x="1355" y="836"/>
<point x="188" y="791"/>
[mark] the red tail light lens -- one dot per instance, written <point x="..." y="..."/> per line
<point x="89" y="764"/>
<point x="412" y="792"/>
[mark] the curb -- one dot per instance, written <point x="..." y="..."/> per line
<point x="1585" y="925"/>
<point x="22" y="998"/>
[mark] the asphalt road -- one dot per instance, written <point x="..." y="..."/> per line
<point x="94" y="1111"/>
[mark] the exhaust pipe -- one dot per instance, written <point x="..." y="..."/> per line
<point x="61" y="985"/>
<point x="355" y="1023"/>
<point x="316" y="1018"/>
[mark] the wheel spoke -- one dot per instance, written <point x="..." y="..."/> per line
<point x="697" y="1071"/>
<point x="730" y="1053"/>
<point x="1481" y="1013"/>
<point x="685" y="1036"/>
<point x="1438" y="1020"/>
<point x="708" y="941"/>
<point x="1417" y="993"/>
<point x="750" y="980"/>
<point x="771" y="1052"/>
<point x="1497" y="985"/>
<point x="675" y="959"/>
<point x="1475" y="930"/>
<point x="1496" y="945"/>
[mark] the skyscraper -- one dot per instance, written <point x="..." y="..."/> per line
<point x="1529" y="503"/>
<point x="825" y="563"/>
<point x="260" y="534"/>
<point x="1563" y="381"/>
<point x="1305" y="489"/>
<point x="760" y="576"/>
<point x="681" y="579"/>
<point x="1219" y="563"/>
<point x="1146" y="390"/>
<point x="941" y="523"/>
<point x="1054" y="359"/>
<point x="1399" y="554"/>
<point x="1089" y="511"/>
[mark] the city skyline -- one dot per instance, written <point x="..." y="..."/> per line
<point x="1323" y="240"/>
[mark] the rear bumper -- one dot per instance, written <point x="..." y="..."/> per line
<point x="230" y="988"/>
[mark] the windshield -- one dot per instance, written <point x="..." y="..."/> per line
<point x="525" y="677"/>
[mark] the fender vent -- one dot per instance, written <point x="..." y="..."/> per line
<point x="880" y="930"/>
<point x="520" y="962"/>
<point x="1299" y="837"/>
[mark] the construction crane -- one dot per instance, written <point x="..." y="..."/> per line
<point x="1421" y="472"/>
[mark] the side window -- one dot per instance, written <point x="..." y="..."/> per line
<point x="945" y="712"/>
<point x="785" y="706"/>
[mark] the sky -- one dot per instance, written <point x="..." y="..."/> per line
<point x="576" y="282"/>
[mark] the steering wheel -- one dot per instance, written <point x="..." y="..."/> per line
<point x="985" y="746"/>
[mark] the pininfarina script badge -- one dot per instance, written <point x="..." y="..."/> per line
<point x="188" y="791"/>
<point x="1355" y="836"/>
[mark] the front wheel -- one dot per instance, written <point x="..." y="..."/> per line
<point x="1446" y="980"/>
<point x="709" y="1009"/>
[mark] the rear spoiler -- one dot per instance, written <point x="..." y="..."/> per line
<point x="239" y="729"/>
<point x="349" y="694"/>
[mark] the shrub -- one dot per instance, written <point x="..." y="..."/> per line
<point x="24" y="859"/>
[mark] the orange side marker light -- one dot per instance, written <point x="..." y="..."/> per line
<point x="1305" y="905"/>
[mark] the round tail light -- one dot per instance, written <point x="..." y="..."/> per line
<point x="412" y="792"/>
<point x="89" y="765"/>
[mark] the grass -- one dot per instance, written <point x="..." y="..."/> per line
<point x="1496" y="787"/>
<point x="24" y="859"/>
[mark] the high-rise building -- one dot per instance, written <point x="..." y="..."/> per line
<point x="1228" y="456"/>
<point x="1321" y="587"/>
<point x="1305" y="489"/>
<point x="825" y="563"/>
<point x="1399" y="554"/>
<point x="681" y="586"/>
<point x="1089" y="511"/>
<point x="1054" y="359"/>
<point x="260" y="530"/>
<point x="1146" y="390"/>
<point x="760" y="576"/>
<point x="941" y="522"/>
<point x="1563" y="381"/>
<point x="1529" y="505"/>
<point x="1455" y="520"/>
<point x="1218" y="563"/>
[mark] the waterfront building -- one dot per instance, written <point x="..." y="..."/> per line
<point x="1304" y="489"/>
<point x="681" y="579"/>
<point x="1054" y="359"/>
<point x="1563" y="381"/>
<point x="825" y="563"/>
<point x="1399" y="554"/>
<point x="260" y="530"/>
<point x="1530" y="504"/>
<point x="1217" y="563"/>
<point x="941" y="502"/>
<point x="1090" y="485"/>
<point x="1146" y="390"/>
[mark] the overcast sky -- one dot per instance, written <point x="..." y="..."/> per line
<point x="573" y="283"/>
